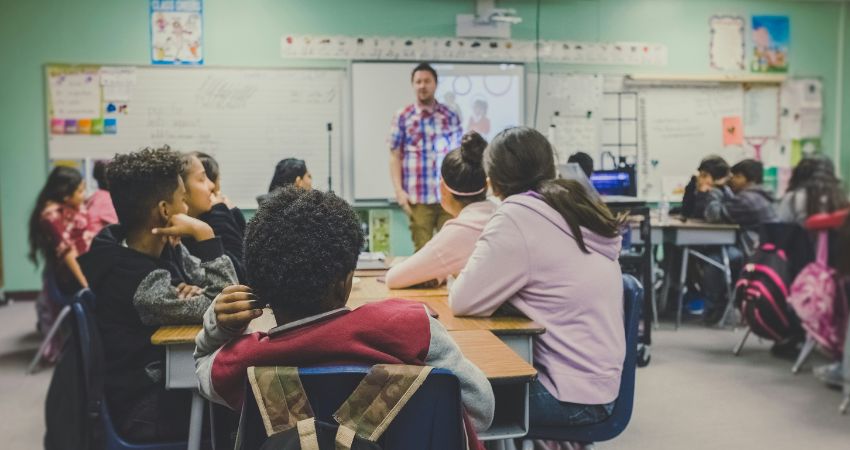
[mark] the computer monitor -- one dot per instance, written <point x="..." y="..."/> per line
<point x="619" y="182"/>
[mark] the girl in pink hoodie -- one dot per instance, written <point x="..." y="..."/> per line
<point x="463" y="194"/>
<point x="551" y="251"/>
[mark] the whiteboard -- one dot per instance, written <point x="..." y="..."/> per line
<point x="380" y="90"/>
<point x="680" y="126"/>
<point x="248" y="119"/>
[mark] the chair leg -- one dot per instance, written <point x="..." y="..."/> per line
<point x="527" y="444"/>
<point x="683" y="278"/>
<point x="845" y="404"/>
<point x="57" y="325"/>
<point x="737" y="350"/>
<point x="804" y="354"/>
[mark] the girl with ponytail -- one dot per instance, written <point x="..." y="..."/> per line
<point x="550" y="251"/>
<point x="463" y="194"/>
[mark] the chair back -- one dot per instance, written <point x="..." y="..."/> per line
<point x="431" y="419"/>
<point x="91" y="354"/>
<point x="622" y="413"/>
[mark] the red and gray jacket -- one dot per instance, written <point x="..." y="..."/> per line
<point x="387" y="332"/>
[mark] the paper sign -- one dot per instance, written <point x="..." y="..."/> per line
<point x="727" y="43"/>
<point x="75" y="95"/>
<point x="733" y="131"/>
<point x="176" y="31"/>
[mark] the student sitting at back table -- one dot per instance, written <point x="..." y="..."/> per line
<point x="301" y="249"/>
<point x="99" y="205"/>
<point x="743" y="201"/>
<point x="712" y="171"/>
<point x="142" y="281"/>
<point x="813" y="188"/>
<point x="463" y="194"/>
<point x="210" y="206"/>
<point x="584" y="161"/>
<point x="289" y="171"/>
<point x="551" y="251"/>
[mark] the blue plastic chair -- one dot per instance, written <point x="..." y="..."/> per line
<point x="431" y="420"/>
<point x="614" y="425"/>
<point x="91" y="355"/>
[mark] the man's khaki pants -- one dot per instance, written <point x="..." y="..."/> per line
<point x="425" y="220"/>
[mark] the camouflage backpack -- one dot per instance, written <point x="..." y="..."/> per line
<point x="361" y="419"/>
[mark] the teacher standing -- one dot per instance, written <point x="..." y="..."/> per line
<point x="422" y="134"/>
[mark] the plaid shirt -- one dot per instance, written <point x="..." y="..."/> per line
<point x="424" y="137"/>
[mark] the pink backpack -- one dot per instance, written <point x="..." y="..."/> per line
<point x="817" y="296"/>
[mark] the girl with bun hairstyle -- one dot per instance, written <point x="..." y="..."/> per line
<point x="551" y="251"/>
<point x="463" y="194"/>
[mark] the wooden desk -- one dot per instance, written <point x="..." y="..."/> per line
<point x="369" y="288"/>
<point x="516" y="332"/>
<point x="505" y="369"/>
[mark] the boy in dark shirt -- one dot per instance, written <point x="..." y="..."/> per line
<point x="143" y="278"/>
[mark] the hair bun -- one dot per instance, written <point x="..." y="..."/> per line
<point x="472" y="147"/>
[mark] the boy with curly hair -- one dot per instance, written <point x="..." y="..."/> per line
<point x="143" y="278"/>
<point x="301" y="249"/>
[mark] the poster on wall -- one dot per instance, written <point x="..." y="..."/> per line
<point x="771" y="39"/>
<point x="726" y="50"/>
<point x="177" y="31"/>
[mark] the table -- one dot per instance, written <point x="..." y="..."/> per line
<point x="509" y="372"/>
<point x="369" y="288"/>
<point x="689" y="233"/>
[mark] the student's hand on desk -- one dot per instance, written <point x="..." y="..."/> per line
<point x="236" y="307"/>
<point x="183" y="225"/>
<point x="185" y="291"/>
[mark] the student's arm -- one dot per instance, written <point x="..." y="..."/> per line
<point x="497" y="269"/>
<point x="436" y="260"/>
<point x="224" y="225"/>
<point x="225" y="319"/>
<point x="715" y="209"/>
<point x="70" y="259"/>
<point x="475" y="391"/>
<point x="210" y="267"/>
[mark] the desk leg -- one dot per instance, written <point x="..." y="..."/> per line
<point x="683" y="285"/>
<point x="727" y="272"/>
<point x="196" y="421"/>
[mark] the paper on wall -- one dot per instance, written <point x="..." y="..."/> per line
<point x="761" y="111"/>
<point x="75" y="96"/>
<point x="574" y="134"/>
<point x="726" y="50"/>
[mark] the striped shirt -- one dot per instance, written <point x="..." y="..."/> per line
<point x="424" y="136"/>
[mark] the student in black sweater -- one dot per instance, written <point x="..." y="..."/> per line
<point x="144" y="278"/>
<point x="210" y="206"/>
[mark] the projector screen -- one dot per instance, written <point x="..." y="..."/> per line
<point x="487" y="97"/>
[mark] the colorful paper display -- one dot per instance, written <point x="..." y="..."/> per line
<point x="770" y="43"/>
<point x="733" y="131"/>
<point x="176" y="32"/>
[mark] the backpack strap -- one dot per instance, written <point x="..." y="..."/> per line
<point x="822" y="254"/>
<point x="281" y="399"/>
<point x="376" y="401"/>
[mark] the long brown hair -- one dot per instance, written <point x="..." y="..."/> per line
<point x="61" y="183"/>
<point x="520" y="159"/>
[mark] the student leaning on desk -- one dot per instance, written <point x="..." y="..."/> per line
<point x="142" y="280"/>
<point x="305" y="276"/>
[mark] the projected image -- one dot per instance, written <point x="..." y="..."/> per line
<point x="488" y="101"/>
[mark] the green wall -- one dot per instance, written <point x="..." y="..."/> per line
<point x="248" y="32"/>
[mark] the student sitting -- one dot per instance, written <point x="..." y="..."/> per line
<point x="813" y="188"/>
<point x="463" y="194"/>
<point x="210" y="206"/>
<point x="584" y="161"/>
<point x="301" y="249"/>
<point x="213" y="172"/>
<point x="551" y="251"/>
<point x="289" y="171"/>
<point x="141" y="281"/>
<point x="712" y="171"/>
<point x="58" y="233"/>
<point x="743" y="201"/>
<point x="99" y="205"/>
